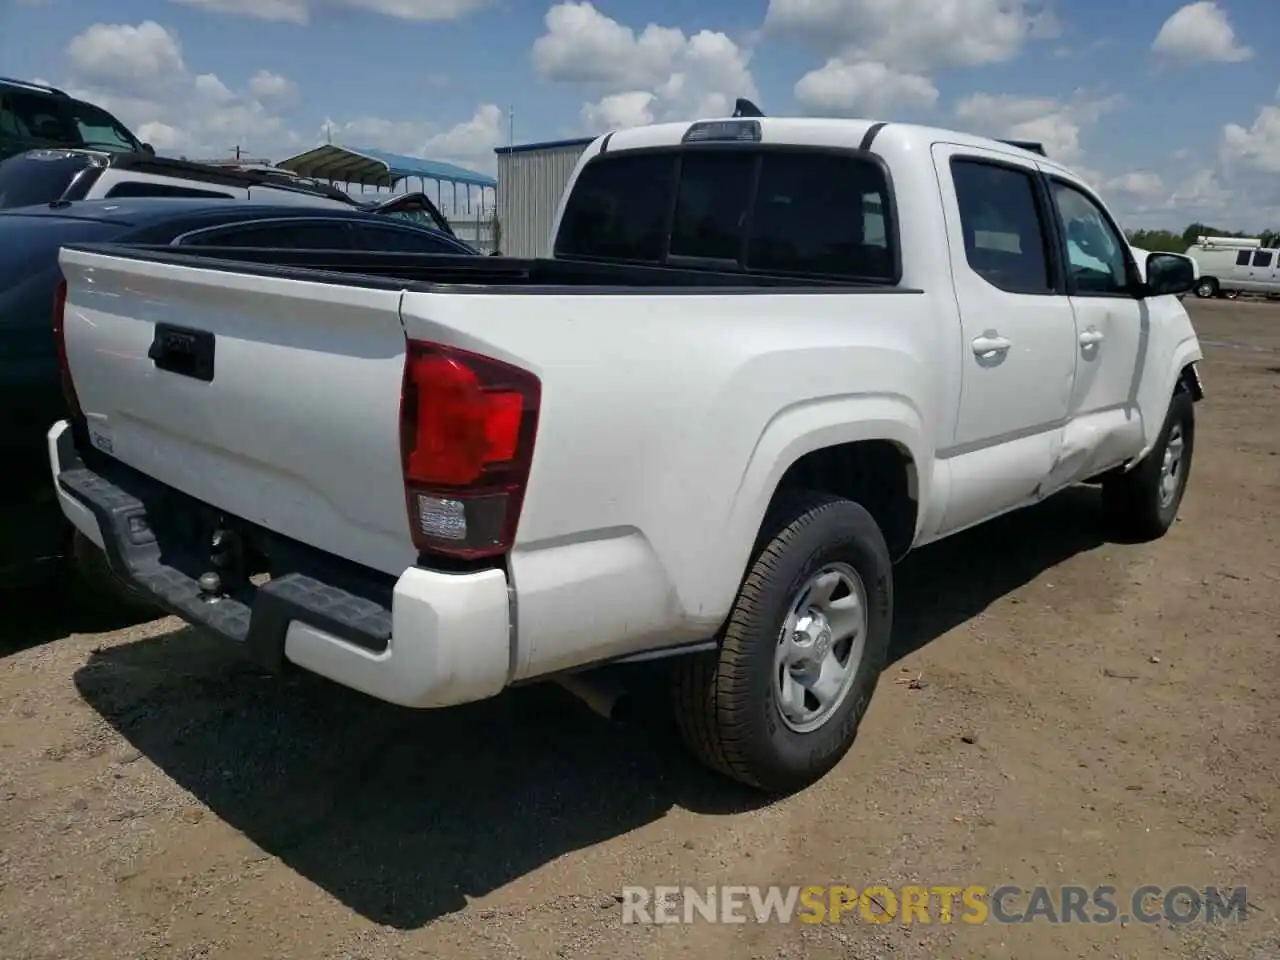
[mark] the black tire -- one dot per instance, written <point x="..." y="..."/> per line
<point x="725" y="700"/>
<point x="1132" y="501"/>
<point x="1206" y="287"/>
<point x="101" y="588"/>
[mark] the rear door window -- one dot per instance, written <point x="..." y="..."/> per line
<point x="1005" y="238"/>
<point x="806" y="213"/>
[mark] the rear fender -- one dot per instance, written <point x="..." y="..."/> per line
<point x="794" y="432"/>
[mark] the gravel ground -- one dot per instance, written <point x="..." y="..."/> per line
<point x="1072" y="711"/>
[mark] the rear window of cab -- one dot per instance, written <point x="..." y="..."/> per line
<point x="805" y="213"/>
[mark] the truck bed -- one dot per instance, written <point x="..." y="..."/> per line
<point x="463" y="274"/>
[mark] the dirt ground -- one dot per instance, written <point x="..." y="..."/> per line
<point x="1084" y="713"/>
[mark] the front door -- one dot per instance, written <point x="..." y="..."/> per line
<point x="1018" y="334"/>
<point x="1112" y="329"/>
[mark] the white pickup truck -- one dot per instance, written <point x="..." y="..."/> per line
<point x="766" y="358"/>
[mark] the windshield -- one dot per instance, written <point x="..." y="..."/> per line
<point x="35" y="119"/>
<point x="41" y="176"/>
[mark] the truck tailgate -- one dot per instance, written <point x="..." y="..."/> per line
<point x="272" y="399"/>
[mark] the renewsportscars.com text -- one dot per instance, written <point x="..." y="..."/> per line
<point x="945" y="904"/>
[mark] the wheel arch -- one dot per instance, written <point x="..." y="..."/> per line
<point x="817" y="438"/>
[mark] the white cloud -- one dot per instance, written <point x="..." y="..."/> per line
<point x="139" y="73"/>
<point x="683" y="76"/>
<point x="1143" y="186"/>
<point x="271" y="87"/>
<point x="420" y="9"/>
<point x="1200" y="32"/>
<point x="122" y="55"/>
<point x="866" y="88"/>
<point x="1055" y="123"/>
<point x="469" y="144"/>
<point x="1201" y="193"/>
<point x="1256" y="147"/>
<point x="1241" y="190"/>
<point x="301" y="11"/>
<point x="913" y="35"/>
<point x="631" y="109"/>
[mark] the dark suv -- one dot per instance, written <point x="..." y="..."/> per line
<point x="33" y="115"/>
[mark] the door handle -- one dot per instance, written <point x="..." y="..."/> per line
<point x="1091" y="337"/>
<point x="990" y="344"/>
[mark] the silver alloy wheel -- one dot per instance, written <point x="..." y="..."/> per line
<point x="1171" y="465"/>
<point x="1204" y="289"/>
<point x="820" y="647"/>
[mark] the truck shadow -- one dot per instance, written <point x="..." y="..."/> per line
<point x="948" y="583"/>
<point x="402" y="815"/>
<point x="40" y="613"/>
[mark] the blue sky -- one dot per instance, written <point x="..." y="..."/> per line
<point x="1171" y="109"/>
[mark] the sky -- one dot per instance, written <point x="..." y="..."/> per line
<point x="1171" y="110"/>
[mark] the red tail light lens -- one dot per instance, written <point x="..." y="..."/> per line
<point x="467" y="426"/>
<point x="60" y="340"/>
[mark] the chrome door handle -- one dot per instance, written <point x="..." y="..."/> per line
<point x="1091" y="337"/>
<point x="990" y="344"/>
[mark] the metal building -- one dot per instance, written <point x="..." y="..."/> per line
<point x="531" y="178"/>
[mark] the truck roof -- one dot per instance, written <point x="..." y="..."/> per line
<point x="820" y="131"/>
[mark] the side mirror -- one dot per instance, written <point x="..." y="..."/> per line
<point x="148" y="149"/>
<point x="1169" y="274"/>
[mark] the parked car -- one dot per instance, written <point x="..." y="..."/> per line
<point x="33" y="534"/>
<point x="34" y="115"/>
<point x="63" y="174"/>
<point x="705" y="428"/>
<point x="1231" y="266"/>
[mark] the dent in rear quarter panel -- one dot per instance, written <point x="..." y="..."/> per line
<point x="299" y="429"/>
<point x="632" y="533"/>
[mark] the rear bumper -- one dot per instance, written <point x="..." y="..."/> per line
<point x="426" y="639"/>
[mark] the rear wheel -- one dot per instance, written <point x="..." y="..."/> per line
<point x="779" y="702"/>
<point x="102" y="589"/>
<point x="1143" y="503"/>
<point x="1206" y="287"/>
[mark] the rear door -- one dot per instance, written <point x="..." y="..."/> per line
<point x="276" y="400"/>
<point x="1019" y="337"/>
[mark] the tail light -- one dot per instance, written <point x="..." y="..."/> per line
<point x="60" y="339"/>
<point x="467" y="426"/>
